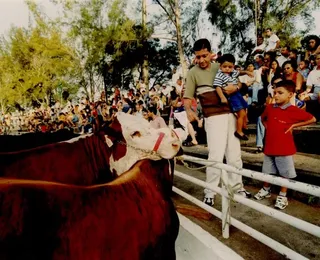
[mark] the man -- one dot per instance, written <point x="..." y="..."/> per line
<point x="273" y="41"/>
<point x="220" y="122"/>
<point x="259" y="49"/>
<point x="258" y="61"/>
<point x="285" y="52"/>
<point x="293" y="56"/>
<point x="156" y="121"/>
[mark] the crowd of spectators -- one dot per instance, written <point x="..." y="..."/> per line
<point x="84" y="117"/>
<point x="269" y="61"/>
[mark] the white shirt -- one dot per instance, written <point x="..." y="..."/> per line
<point x="314" y="78"/>
<point x="272" y="42"/>
<point x="281" y="59"/>
<point x="248" y="80"/>
<point x="260" y="47"/>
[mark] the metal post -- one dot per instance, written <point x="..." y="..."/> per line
<point x="225" y="205"/>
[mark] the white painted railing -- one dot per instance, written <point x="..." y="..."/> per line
<point x="225" y="214"/>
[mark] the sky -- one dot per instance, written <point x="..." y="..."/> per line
<point x="15" y="12"/>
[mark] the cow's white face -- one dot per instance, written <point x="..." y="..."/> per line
<point x="141" y="139"/>
<point x="139" y="134"/>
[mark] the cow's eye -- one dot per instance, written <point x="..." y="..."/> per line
<point x="136" y="134"/>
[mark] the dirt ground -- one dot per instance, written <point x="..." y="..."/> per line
<point x="246" y="246"/>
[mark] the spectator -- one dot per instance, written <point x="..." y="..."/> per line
<point x="303" y="69"/>
<point x="313" y="47"/>
<point x="280" y="119"/>
<point x="261" y="46"/>
<point x="313" y="82"/>
<point x="254" y="83"/>
<point x="285" y="55"/>
<point x="258" y="61"/>
<point x="293" y="56"/>
<point x="273" y="41"/>
<point x="290" y="73"/>
<point x="155" y="120"/>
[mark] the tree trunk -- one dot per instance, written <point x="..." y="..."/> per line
<point x="263" y="8"/>
<point x="91" y="82"/>
<point x="179" y="41"/>
<point x="145" y="65"/>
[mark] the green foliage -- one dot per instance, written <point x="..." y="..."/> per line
<point x="33" y="63"/>
<point x="236" y="20"/>
<point x="161" y="60"/>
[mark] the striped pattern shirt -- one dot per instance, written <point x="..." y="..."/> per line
<point x="222" y="79"/>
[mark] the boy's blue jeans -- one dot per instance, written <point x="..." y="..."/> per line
<point x="260" y="133"/>
<point x="255" y="90"/>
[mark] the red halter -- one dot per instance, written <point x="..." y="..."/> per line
<point x="159" y="140"/>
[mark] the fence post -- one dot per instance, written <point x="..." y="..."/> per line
<point x="225" y="205"/>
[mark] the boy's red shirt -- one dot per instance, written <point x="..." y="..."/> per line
<point x="278" y="120"/>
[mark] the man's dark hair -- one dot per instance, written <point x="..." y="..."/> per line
<point x="202" y="44"/>
<point x="295" y="51"/>
<point x="261" y="57"/>
<point x="287" y="46"/>
<point x="268" y="29"/>
<point x="289" y="85"/>
<point x="152" y="109"/>
<point x="227" y="58"/>
<point x="140" y="102"/>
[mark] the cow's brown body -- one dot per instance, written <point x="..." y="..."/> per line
<point x="132" y="218"/>
<point x="84" y="162"/>
<point x="12" y="143"/>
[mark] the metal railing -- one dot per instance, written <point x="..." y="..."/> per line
<point x="227" y="220"/>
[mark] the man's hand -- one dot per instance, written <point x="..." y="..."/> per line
<point x="192" y="116"/>
<point x="230" y="88"/>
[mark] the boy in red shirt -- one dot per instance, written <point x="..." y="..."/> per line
<point x="279" y="120"/>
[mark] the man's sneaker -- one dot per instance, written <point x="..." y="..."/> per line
<point x="209" y="201"/>
<point x="281" y="202"/>
<point x="262" y="194"/>
<point x="244" y="193"/>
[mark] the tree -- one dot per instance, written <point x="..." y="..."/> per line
<point x="103" y="34"/>
<point x="34" y="63"/>
<point x="173" y="11"/>
<point x="238" y="19"/>
<point x="159" y="58"/>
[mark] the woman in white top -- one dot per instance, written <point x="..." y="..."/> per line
<point x="254" y="83"/>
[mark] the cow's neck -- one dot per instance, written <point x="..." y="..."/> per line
<point x="131" y="157"/>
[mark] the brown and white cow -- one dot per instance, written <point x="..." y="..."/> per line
<point x="12" y="143"/>
<point x="141" y="141"/>
<point x="131" y="217"/>
<point x="93" y="159"/>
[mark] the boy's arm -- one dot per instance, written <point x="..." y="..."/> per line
<point x="222" y="97"/>
<point x="303" y="123"/>
<point x="245" y="72"/>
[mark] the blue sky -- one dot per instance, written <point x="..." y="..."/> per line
<point x="15" y="12"/>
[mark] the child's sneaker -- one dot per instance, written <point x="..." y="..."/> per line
<point x="209" y="201"/>
<point x="244" y="193"/>
<point x="263" y="193"/>
<point x="281" y="202"/>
